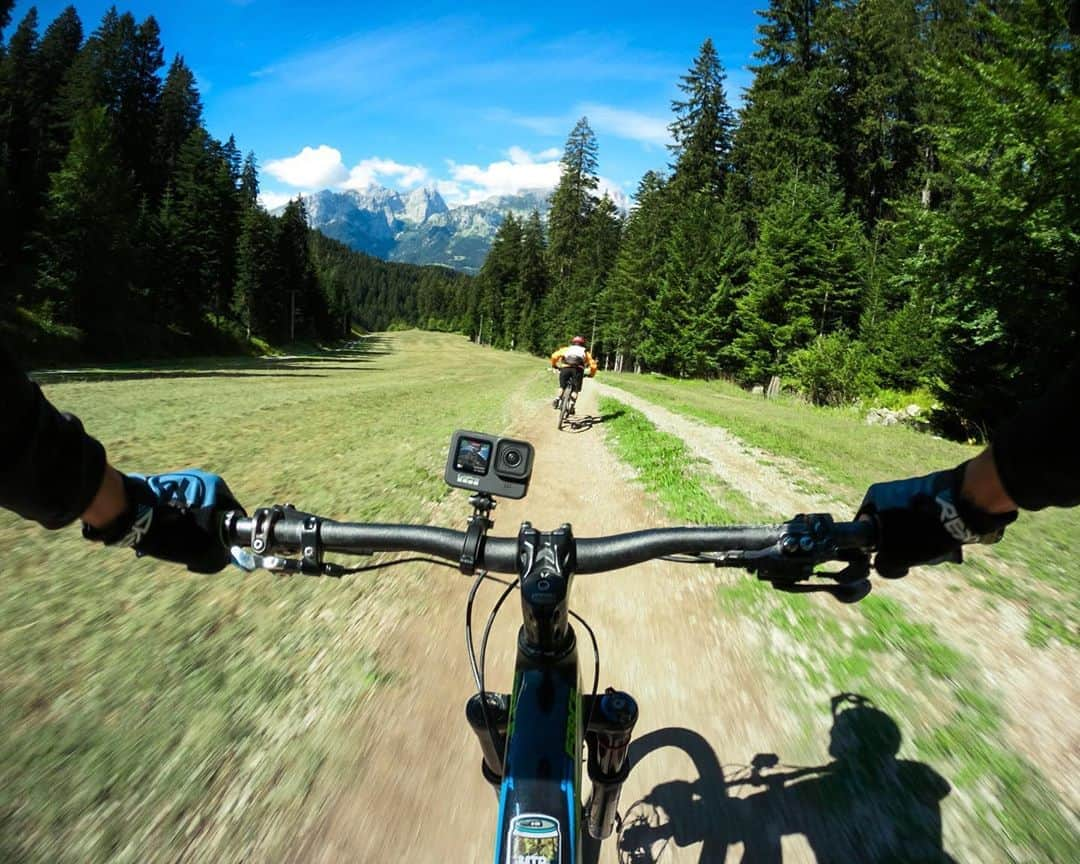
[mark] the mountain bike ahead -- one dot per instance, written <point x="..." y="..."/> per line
<point x="567" y="400"/>
<point x="534" y="739"/>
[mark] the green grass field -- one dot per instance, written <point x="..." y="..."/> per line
<point x="146" y="709"/>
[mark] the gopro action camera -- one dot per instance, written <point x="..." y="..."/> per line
<point x="487" y="463"/>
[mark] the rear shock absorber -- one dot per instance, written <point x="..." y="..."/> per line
<point x="492" y="739"/>
<point x="608" y="736"/>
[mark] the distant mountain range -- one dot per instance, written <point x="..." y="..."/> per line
<point x="418" y="228"/>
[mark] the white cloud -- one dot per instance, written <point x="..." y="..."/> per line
<point x="521" y="156"/>
<point x="604" y="120"/>
<point x="505" y="177"/>
<point x="366" y="172"/>
<point x="322" y="167"/>
<point x="310" y="168"/>
<point x="450" y="190"/>
<point x="271" y="200"/>
<point x="631" y="125"/>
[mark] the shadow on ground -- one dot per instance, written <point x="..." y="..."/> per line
<point x="866" y="805"/>
<point x="583" y="424"/>
<point x="347" y="358"/>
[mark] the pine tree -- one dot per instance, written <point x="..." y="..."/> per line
<point x="499" y="286"/>
<point x="5" y="16"/>
<point x="118" y="68"/>
<point x="998" y="256"/>
<point x="567" y="308"/>
<point x="207" y="223"/>
<point x="258" y="301"/>
<point x="179" y="114"/>
<point x="86" y="257"/>
<point x="298" y="278"/>
<point x="573" y="200"/>
<point x="533" y="275"/>
<point x="599" y="249"/>
<point x="59" y="48"/>
<point x="779" y="133"/>
<point x="872" y="53"/>
<point x="634" y="280"/>
<point x="703" y="127"/>
<point x="18" y="122"/>
<point x="233" y="160"/>
<point x="691" y="321"/>
<point x="249" y="182"/>
<point x="807" y="278"/>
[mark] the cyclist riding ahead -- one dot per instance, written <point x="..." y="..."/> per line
<point x="571" y="361"/>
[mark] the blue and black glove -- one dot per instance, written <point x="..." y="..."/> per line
<point x="174" y="517"/>
<point x="925" y="520"/>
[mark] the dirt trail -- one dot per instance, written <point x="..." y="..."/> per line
<point x="1037" y="686"/>
<point x="414" y="792"/>
<point x="417" y="794"/>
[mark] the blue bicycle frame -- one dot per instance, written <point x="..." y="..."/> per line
<point x="533" y="739"/>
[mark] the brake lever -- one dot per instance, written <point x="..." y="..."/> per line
<point x="851" y="592"/>
<point x="250" y="562"/>
<point x="852" y="583"/>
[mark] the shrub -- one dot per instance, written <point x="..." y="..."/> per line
<point x="833" y="370"/>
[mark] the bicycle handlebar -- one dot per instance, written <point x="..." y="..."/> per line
<point x="791" y="546"/>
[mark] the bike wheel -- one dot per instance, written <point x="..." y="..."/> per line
<point x="564" y="404"/>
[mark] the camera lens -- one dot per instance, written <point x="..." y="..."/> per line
<point x="512" y="458"/>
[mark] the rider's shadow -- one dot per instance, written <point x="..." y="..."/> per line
<point x="864" y="806"/>
<point x="585" y="422"/>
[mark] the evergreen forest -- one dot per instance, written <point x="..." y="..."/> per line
<point x="128" y="231"/>
<point x="893" y="208"/>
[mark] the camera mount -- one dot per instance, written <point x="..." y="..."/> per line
<point x="479" y="524"/>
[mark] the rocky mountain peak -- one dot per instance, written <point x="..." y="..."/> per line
<point x="422" y="203"/>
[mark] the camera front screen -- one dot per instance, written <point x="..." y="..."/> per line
<point x="473" y="456"/>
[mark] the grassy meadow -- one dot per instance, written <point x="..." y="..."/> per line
<point x="148" y="710"/>
<point x="152" y="714"/>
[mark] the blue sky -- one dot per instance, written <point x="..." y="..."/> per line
<point x="476" y="98"/>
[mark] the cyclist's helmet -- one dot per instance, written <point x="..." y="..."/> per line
<point x="578" y="340"/>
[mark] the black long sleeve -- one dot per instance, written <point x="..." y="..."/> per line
<point x="50" y="469"/>
<point x="1037" y="452"/>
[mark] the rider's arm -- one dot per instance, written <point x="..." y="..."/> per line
<point x="51" y="471"/>
<point x="591" y="364"/>
<point x="1036" y="454"/>
<point x="557" y="356"/>
<point x="1033" y="462"/>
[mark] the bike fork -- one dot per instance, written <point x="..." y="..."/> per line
<point x="611" y="724"/>
<point x="490" y="731"/>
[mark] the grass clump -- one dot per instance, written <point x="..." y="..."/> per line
<point x="666" y="468"/>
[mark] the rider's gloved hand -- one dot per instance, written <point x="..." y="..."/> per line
<point x="926" y="520"/>
<point x="175" y="517"/>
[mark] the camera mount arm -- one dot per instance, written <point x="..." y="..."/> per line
<point x="479" y="524"/>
